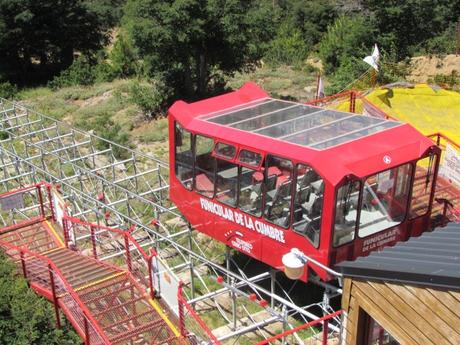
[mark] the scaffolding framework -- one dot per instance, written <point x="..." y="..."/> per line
<point x="112" y="185"/>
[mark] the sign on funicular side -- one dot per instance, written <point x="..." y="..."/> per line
<point x="450" y="168"/>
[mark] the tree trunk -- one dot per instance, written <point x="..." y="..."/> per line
<point x="202" y="72"/>
<point x="66" y="57"/>
<point x="188" y="85"/>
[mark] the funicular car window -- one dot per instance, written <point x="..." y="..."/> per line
<point x="308" y="203"/>
<point x="184" y="156"/>
<point x="226" y="182"/>
<point x="346" y="212"/>
<point x="250" y="158"/>
<point x="204" y="166"/>
<point x="250" y="191"/>
<point x="422" y="186"/>
<point x="225" y="150"/>
<point x="278" y="190"/>
<point x="385" y="199"/>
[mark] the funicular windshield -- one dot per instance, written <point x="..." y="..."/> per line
<point x="269" y="187"/>
<point x="381" y="201"/>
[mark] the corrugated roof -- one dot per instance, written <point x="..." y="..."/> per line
<point x="431" y="259"/>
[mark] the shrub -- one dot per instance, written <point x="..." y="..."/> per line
<point x="4" y="135"/>
<point x="350" y="69"/>
<point x="26" y="318"/>
<point x="125" y="62"/>
<point x="8" y="90"/>
<point x="81" y="72"/>
<point x="112" y="131"/>
<point x="348" y="37"/>
<point x="103" y="72"/>
<point x="441" y="44"/>
<point x="287" y="48"/>
<point x="151" y="98"/>
<point x="451" y="80"/>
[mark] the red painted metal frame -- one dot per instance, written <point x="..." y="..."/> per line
<point x="128" y="241"/>
<point x="438" y="136"/>
<point x="50" y="293"/>
<point x="53" y="269"/>
<point x="38" y="188"/>
<point x="22" y="224"/>
<point x="323" y="319"/>
<point x="355" y="160"/>
<point x="351" y="94"/>
<point x="182" y="303"/>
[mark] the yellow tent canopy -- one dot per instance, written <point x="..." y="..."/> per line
<point x="429" y="109"/>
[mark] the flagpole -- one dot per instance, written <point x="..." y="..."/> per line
<point x="317" y="86"/>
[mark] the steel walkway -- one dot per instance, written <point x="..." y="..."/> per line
<point x="105" y="303"/>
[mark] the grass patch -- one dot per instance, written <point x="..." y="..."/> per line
<point x="154" y="131"/>
<point x="282" y="81"/>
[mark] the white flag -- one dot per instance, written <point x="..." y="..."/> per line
<point x="320" y="88"/>
<point x="373" y="59"/>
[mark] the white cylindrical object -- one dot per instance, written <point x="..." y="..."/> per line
<point x="293" y="266"/>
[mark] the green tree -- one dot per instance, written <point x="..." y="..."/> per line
<point x="38" y="38"/>
<point x="346" y="38"/>
<point x="310" y="17"/>
<point x="288" y="47"/>
<point x="26" y="318"/>
<point x="124" y="58"/>
<point x="109" y="11"/>
<point x="195" y="44"/>
<point x="409" y="25"/>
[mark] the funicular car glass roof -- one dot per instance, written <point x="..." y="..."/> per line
<point x="300" y="124"/>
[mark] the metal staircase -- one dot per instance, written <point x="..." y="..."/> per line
<point x="105" y="303"/>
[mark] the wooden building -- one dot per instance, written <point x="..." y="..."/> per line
<point x="406" y="294"/>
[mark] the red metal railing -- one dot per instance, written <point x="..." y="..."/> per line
<point x="192" y="327"/>
<point x="349" y="95"/>
<point x="451" y="204"/>
<point x="89" y="239"/>
<point x="438" y="138"/>
<point x="35" y="204"/>
<point x="46" y="278"/>
<point x="103" y="243"/>
<point x="324" y="320"/>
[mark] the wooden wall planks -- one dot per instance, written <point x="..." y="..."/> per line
<point x="412" y="314"/>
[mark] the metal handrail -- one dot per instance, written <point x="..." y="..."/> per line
<point x="323" y="319"/>
<point x="440" y="136"/>
<point x="67" y="285"/>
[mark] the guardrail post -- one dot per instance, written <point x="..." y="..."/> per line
<point x="446" y="204"/>
<point x="65" y="228"/>
<point x="93" y="241"/>
<point x="352" y="101"/>
<point x="55" y="300"/>
<point x="85" y="324"/>
<point x="40" y="200"/>
<point x="325" y="331"/>
<point x="128" y="253"/>
<point x="23" y="264"/>
<point x="150" y="268"/>
<point x="50" y="199"/>
<point x="183" y="331"/>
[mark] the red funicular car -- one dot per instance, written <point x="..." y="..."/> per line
<point x="264" y="176"/>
